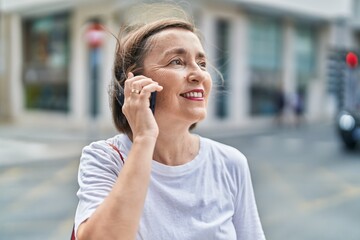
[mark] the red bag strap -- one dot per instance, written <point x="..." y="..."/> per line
<point x="73" y="233"/>
<point x="118" y="151"/>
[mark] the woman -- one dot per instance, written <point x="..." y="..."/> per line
<point x="156" y="180"/>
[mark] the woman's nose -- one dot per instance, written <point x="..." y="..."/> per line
<point x="196" y="74"/>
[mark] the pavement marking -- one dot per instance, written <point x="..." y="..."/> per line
<point x="283" y="185"/>
<point x="326" y="202"/>
<point x="64" y="229"/>
<point x="332" y="176"/>
<point x="347" y="192"/>
<point x="10" y="175"/>
<point x="28" y="225"/>
<point x="43" y="187"/>
<point x="285" y="188"/>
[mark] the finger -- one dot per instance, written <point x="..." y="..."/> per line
<point x="136" y="82"/>
<point x="148" y="89"/>
<point x="130" y="79"/>
<point x="128" y="83"/>
<point x="139" y="84"/>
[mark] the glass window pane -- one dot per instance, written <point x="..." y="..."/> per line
<point x="265" y="59"/>
<point x="222" y="58"/>
<point x="46" y="57"/>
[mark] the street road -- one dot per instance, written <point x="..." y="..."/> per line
<point x="307" y="187"/>
<point x="37" y="200"/>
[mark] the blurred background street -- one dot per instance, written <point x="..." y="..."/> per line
<point x="290" y="79"/>
<point x="307" y="186"/>
<point x="38" y="181"/>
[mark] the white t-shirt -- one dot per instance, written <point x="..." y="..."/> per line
<point x="210" y="197"/>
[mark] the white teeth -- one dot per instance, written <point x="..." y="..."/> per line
<point x="193" y="95"/>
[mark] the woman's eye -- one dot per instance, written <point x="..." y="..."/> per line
<point x="202" y="65"/>
<point x="176" y="62"/>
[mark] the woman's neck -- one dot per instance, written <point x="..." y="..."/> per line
<point x="175" y="149"/>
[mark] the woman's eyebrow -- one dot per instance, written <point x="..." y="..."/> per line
<point x="182" y="51"/>
<point x="176" y="51"/>
<point x="201" y="55"/>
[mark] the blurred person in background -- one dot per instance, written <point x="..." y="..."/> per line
<point x="156" y="179"/>
<point x="298" y="108"/>
<point x="280" y="104"/>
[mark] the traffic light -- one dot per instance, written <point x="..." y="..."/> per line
<point x="352" y="60"/>
<point x="350" y="88"/>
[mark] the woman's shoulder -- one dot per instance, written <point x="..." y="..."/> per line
<point x="223" y="151"/>
<point x="106" y="150"/>
<point x="121" y="141"/>
<point x="227" y="159"/>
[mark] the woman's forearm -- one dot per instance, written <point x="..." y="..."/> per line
<point x="119" y="215"/>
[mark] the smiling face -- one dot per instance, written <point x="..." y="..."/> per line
<point x="177" y="62"/>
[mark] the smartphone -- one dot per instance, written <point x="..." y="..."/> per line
<point x="152" y="102"/>
<point x="152" y="96"/>
<point x="120" y="99"/>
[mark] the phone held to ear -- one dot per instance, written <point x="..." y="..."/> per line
<point x="120" y="99"/>
<point x="152" y="102"/>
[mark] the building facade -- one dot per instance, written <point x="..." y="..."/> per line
<point x="51" y="72"/>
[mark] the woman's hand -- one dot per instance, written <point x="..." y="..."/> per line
<point x="136" y="106"/>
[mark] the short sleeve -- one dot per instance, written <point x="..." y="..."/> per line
<point x="246" y="218"/>
<point x="98" y="172"/>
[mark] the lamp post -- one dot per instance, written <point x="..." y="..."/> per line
<point x="94" y="36"/>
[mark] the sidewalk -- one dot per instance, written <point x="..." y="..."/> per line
<point x="21" y="144"/>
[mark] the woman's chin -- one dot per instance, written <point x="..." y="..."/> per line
<point x="199" y="115"/>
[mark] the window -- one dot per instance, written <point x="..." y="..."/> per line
<point x="222" y="58"/>
<point x="265" y="44"/>
<point x="305" y="59"/>
<point x="305" y="54"/>
<point x="356" y="10"/>
<point x="265" y="59"/>
<point x="46" y="57"/>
